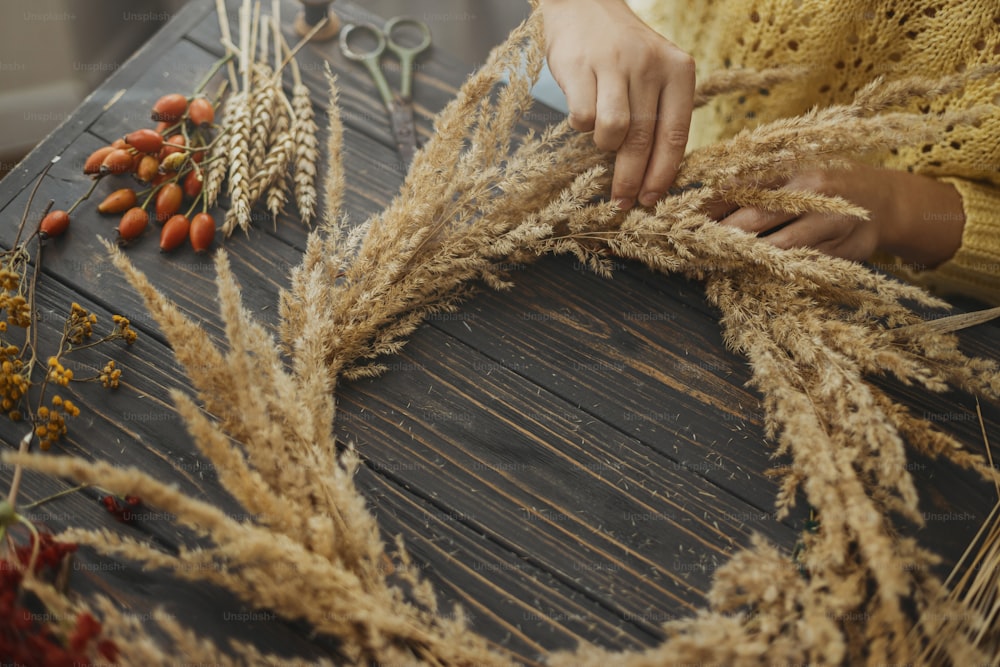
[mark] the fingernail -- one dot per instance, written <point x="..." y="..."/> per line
<point x="650" y="198"/>
<point x="624" y="203"/>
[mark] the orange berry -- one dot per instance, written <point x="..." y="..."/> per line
<point x="54" y="224"/>
<point x="170" y="108"/>
<point x="117" y="161"/>
<point x="201" y="112"/>
<point x="177" y="140"/>
<point x="93" y="163"/>
<point x="119" y="143"/>
<point x="118" y="201"/>
<point x="168" y="201"/>
<point x="145" y="140"/>
<point x="202" y="232"/>
<point x="132" y="224"/>
<point x="193" y="183"/>
<point x="147" y="169"/>
<point x="174" y="233"/>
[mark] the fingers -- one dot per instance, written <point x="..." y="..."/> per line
<point x="717" y="209"/>
<point x="676" y="103"/>
<point x="613" y="112"/>
<point x="581" y="100"/>
<point x="648" y="125"/>
<point x="635" y="142"/>
<point x="629" y="85"/>
<point x="755" y="221"/>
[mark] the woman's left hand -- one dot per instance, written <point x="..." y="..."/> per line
<point x="915" y="217"/>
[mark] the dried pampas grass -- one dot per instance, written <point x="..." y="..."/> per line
<point x="815" y="330"/>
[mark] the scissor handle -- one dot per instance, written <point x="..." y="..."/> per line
<point x="406" y="54"/>
<point x="370" y="58"/>
<point x="345" y="46"/>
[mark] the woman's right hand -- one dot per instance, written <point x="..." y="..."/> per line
<point x="629" y="85"/>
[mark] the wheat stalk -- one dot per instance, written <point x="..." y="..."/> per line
<point x="306" y="152"/>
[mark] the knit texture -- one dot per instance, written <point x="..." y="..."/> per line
<point x="843" y="46"/>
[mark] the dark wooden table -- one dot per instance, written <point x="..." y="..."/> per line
<point x="570" y="460"/>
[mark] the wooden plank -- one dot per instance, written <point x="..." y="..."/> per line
<point x="505" y="596"/>
<point x="683" y="395"/>
<point x="510" y="465"/>
<point x="547" y="480"/>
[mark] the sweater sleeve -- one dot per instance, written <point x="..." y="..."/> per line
<point x="975" y="268"/>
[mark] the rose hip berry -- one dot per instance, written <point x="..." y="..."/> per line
<point x="54" y="223"/>
<point x="174" y="233"/>
<point x="170" y="108"/>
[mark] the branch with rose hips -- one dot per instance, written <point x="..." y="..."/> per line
<point x="170" y="161"/>
<point x="265" y="148"/>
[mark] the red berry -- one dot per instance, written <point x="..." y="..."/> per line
<point x="168" y="201"/>
<point x="118" y="201"/>
<point x="54" y="224"/>
<point x="177" y="140"/>
<point x="192" y="183"/>
<point x="170" y="108"/>
<point x="132" y="224"/>
<point x="149" y="166"/>
<point x="174" y="233"/>
<point x="145" y="140"/>
<point x="202" y="232"/>
<point x="117" y="161"/>
<point x="201" y="111"/>
<point x="93" y="163"/>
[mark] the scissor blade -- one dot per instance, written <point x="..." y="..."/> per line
<point x="404" y="132"/>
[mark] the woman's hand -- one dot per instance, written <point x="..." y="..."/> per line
<point x="914" y="217"/>
<point x="629" y="85"/>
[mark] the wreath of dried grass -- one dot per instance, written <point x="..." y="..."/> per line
<point x="814" y="329"/>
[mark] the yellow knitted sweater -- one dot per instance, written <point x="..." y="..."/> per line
<point x="845" y="44"/>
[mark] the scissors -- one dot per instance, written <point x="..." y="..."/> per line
<point x="400" y="107"/>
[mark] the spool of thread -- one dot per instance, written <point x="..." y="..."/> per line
<point x="313" y="11"/>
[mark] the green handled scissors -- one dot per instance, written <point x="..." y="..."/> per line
<point x="400" y="107"/>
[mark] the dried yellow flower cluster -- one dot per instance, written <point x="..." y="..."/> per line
<point x="79" y="325"/>
<point x="51" y="422"/>
<point x="58" y="374"/>
<point x="14" y="382"/>
<point x="123" y="329"/>
<point x="110" y="376"/>
<point x="17" y="361"/>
